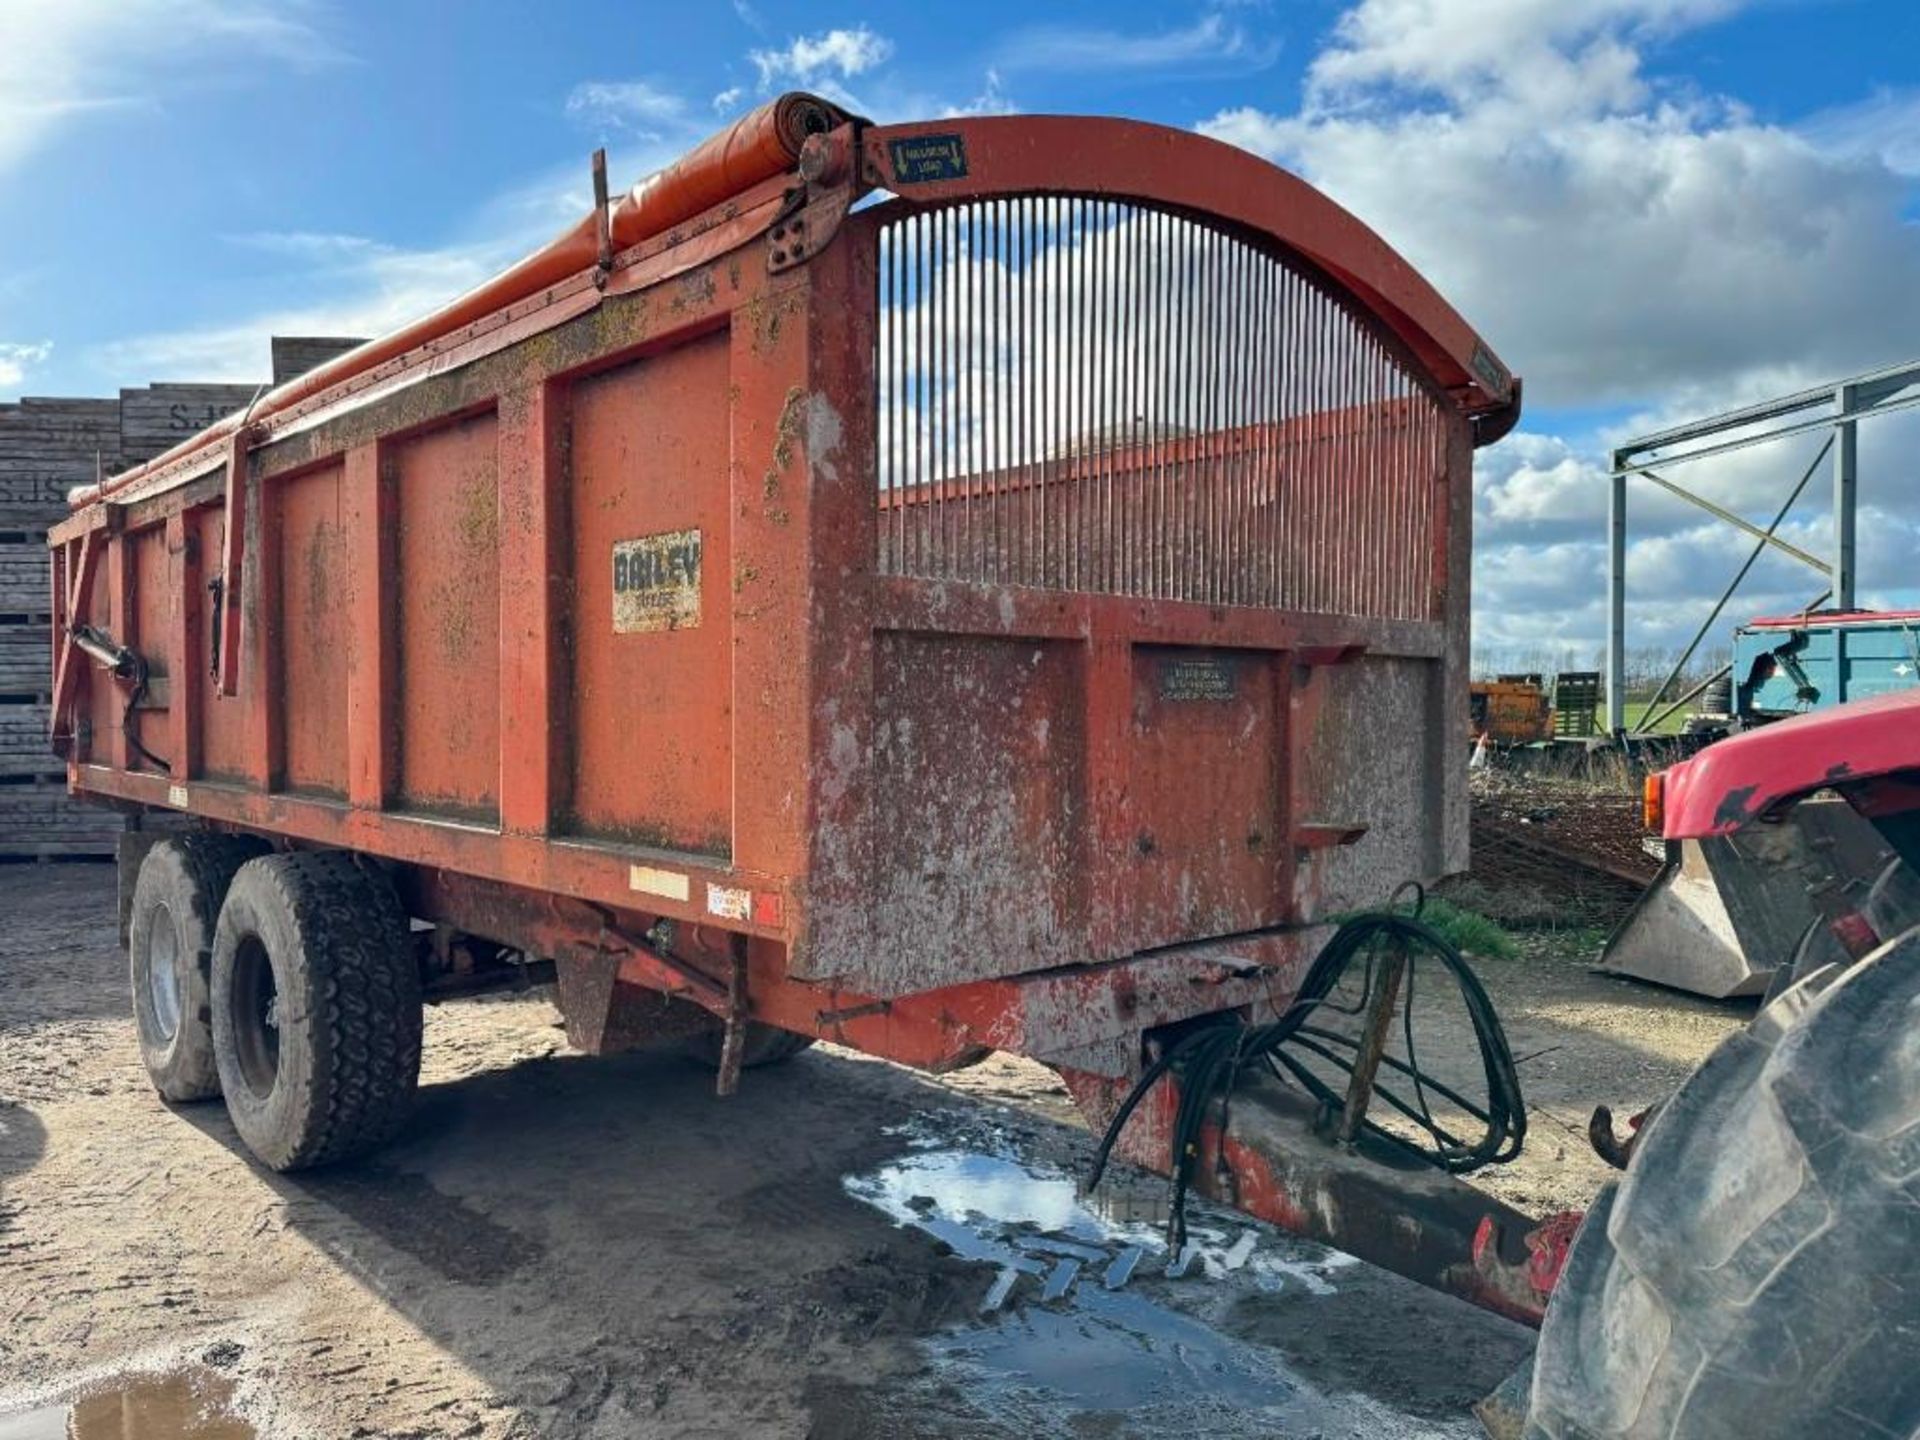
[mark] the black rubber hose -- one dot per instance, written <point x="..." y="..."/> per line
<point x="137" y="675"/>
<point x="1211" y="1060"/>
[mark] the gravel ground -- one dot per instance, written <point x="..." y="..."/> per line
<point x="572" y="1247"/>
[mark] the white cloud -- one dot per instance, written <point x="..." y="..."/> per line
<point x="810" y="60"/>
<point x="728" y="98"/>
<point x="1543" y="47"/>
<point x="17" y="360"/>
<point x="632" y="105"/>
<point x="359" y="287"/>
<point x="1630" y="247"/>
<point x="60" y="61"/>
<point x="1884" y="127"/>
<point x="307" y="245"/>
<point x="1209" y="43"/>
<point x="990" y="101"/>
<point x="1613" y="243"/>
<point x="1533" y="478"/>
<point x="348" y="284"/>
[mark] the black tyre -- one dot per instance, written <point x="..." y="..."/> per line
<point x="764" y="1045"/>
<point x="176" y="903"/>
<point x="1757" y="1271"/>
<point x="316" y="1009"/>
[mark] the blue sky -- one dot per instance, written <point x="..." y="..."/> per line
<point x="1652" y="208"/>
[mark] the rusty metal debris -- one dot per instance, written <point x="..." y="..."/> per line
<point x="1554" y="850"/>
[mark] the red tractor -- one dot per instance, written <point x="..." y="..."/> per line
<point x="1755" y="1271"/>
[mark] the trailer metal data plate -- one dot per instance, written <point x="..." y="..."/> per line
<point x="1206" y="677"/>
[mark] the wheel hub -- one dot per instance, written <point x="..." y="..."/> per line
<point x="163" y="973"/>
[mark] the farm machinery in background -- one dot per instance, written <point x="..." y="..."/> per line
<point x="1737" y="909"/>
<point x="1528" y="710"/>
<point x="1788" y="664"/>
<point x="1731" y="908"/>
<point x="1723" y="914"/>
<point x="1781" y="665"/>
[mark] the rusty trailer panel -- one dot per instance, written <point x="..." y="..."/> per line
<point x="1013" y="608"/>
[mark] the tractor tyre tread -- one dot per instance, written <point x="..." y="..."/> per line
<point x="1757" y="1271"/>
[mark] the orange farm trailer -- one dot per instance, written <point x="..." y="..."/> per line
<point x="983" y="584"/>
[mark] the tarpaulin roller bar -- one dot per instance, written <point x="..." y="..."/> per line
<point x="756" y="147"/>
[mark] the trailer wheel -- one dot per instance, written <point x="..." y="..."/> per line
<point x="176" y="904"/>
<point x="316" y="1009"/>
<point x="1757" y="1271"/>
<point x="764" y="1045"/>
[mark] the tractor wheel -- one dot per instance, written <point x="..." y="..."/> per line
<point x="176" y="903"/>
<point x="764" y="1045"/>
<point x="316" y="1009"/>
<point x="1757" y="1271"/>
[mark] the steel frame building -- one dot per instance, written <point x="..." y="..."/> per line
<point x="1838" y="409"/>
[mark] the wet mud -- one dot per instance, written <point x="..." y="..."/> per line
<point x="188" y="1404"/>
<point x="1093" y="1326"/>
<point x="568" y="1248"/>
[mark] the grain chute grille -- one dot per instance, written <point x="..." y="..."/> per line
<point x="1096" y="395"/>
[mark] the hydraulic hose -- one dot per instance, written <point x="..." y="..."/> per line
<point x="1210" y="1061"/>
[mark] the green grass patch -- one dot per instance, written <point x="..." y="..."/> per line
<point x="1468" y="931"/>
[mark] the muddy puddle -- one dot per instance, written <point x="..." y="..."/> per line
<point x="185" y="1405"/>
<point x="1091" y="1326"/>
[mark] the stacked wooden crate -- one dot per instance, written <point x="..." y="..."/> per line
<point x="46" y="448"/>
<point x="296" y="354"/>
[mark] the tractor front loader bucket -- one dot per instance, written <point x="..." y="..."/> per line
<point x="1727" y="910"/>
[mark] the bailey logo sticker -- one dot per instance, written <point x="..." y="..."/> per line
<point x="656" y="583"/>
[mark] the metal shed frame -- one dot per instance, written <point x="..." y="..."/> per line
<point x="1837" y="408"/>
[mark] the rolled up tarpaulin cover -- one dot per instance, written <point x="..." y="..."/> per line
<point x="759" y="145"/>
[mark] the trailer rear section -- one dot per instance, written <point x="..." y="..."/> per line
<point x="992" y="584"/>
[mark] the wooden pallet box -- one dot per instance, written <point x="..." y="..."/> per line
<point x="40" y="821"/>
<point x="25" y="663"/>
<point x="46" y="448"/>
<point x="23" y="576"/>
<point x="155" y="418"/>
<point x="23" y="744"/>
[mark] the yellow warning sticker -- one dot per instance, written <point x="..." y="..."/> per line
<point x="667" y="884"/>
